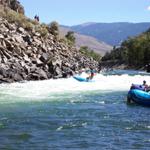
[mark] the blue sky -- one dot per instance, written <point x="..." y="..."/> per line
<point x="73" y="12"/>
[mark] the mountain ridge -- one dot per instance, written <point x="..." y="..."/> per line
<point x="112" y="33"/>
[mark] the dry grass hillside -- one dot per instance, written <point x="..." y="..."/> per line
<point x="83" y="40"/>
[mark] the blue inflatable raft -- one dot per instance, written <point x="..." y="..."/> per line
<point x="82" y="79"/>
<point x="139" y="97"/>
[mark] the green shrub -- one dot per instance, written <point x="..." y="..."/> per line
<point x="70" y="38"/>
<point x="90" y="53"/>
<point x="29" y="26"/>
<point x="33" y="22"/>
<point x="63" y="40"/>
<point x="53" y="28"/>
<point x="42" y="30"/>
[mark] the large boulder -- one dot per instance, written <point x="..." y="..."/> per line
<point x="37" y="75"/>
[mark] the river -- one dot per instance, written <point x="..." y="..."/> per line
<point x="65" y="114"/>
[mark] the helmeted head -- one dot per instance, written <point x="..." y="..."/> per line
<point x="144" y="82"/>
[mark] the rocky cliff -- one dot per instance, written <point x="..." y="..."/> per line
<point x="13" y="4"/>
<point x="28" y="55"/>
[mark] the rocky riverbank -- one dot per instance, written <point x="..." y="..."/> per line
<point x="113" y="64"/>
<point x="118" y="65"/>
<point x="28" y="55"/>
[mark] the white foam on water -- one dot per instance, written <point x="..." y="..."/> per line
<point x="53" y="88"/>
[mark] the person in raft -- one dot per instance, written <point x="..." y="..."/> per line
<point x="146" y="87"/>
<point x="91" y="74"/>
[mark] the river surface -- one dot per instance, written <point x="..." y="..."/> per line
<point x="65" y="114"/>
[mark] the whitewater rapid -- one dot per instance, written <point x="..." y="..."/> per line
<point x="47" y="88"/>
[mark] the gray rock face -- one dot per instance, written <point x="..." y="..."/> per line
<point x="13" y="4"/>
<point x="28" y="56"/>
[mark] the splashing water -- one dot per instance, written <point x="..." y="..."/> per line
<point x="42" y="89"/>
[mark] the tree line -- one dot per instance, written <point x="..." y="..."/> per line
<point x="134" y="52"/>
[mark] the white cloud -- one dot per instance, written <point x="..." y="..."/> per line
<point x="148" y="8"/>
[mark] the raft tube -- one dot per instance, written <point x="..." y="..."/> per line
<point x="82" y="79"/>
<point x="139" y="97"/>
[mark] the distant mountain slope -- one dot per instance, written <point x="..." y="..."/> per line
<point x="111" y="33"/>
<point x="91" y="42"/>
